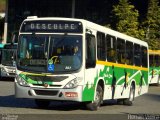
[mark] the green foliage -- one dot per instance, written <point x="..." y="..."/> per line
<point x="2" y="1"/>
<point x="127" y="19"/>
<point x="152" y="25"/>
<point x="2" y="5"/>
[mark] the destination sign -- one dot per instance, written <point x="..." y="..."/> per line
<point x="52" y="26"/>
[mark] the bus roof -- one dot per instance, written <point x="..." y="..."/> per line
<point x="154" y="52"/>
<point x="1" y="45"/>
<point x="92" y="26"/>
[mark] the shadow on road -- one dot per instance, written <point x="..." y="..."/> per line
<point x="6" y="79"/>
<point x="11" y="101"/>
<point x="69" y="106"/>
<point x="154" y="97"/>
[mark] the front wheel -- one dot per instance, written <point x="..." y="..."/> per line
<point x="42" y="103"/>
<point x="94" y="105"/>
<point x="129" y="101"/>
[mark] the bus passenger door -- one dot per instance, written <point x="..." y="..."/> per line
<point x="90" y="71"/>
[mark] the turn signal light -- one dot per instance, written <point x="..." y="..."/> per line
<point x="71" y="94"/>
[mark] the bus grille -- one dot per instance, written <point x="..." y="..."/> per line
<point x="12" y="74"/>
<point x="46" y="92"/>
<point x="47" y="78"/>
<point x="49" y="85"/>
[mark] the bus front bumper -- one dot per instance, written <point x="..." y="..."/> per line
<point x="74" y="94"/>
<point x="8" y="72"/>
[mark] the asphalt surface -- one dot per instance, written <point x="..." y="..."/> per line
<point x="145" y="107"/>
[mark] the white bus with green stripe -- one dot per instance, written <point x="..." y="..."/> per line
<point x="154" y="67"/>
<point x="70" y="59"/>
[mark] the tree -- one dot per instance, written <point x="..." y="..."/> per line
<point x="1" y="28"/>
<point x="2" y="5"/>
<point x="152" y="24"/>
<point x="127" y="19"/>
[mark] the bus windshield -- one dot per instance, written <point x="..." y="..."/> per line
<point x="8" y="56"/>
<point x="154" y="60"/>
<point x="49" y="53"/>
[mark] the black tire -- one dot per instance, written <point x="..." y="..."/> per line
<point x="129" y="101"/>
<point x="42" y="103"/>
<point x="94" y="105"/>
<point x="120" y="101"/>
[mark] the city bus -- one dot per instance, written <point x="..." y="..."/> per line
<point x="7" y="58"/>
<point x="70" y="59"/>
<point x="154" y="67"/>
<point x="1" y="47"/>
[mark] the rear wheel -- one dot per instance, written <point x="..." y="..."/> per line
<point x="120" y="101"/>
<point x="94" y="105"/>
<point x="129" y="101"/>
<point x="42" y="103"/>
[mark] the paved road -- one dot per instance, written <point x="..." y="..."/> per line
<point x="9" y="105"/>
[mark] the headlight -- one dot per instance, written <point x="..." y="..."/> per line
<point x="72" y="84"/>
<point x="21" y="81"/>
<point x="7" y="70"/>
<point x="3" y="69"/>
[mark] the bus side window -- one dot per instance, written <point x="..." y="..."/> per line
<point x="137" y="55"/>
<point x="90" y="51"/>
<point x="151" y="60"/>
<point x="144" y="56"/>
<point x="101" y="48"/>
<point x="121" y="55"/>
<point x="111" y="48"/>
<point x="129" y="53"/>
<point x="158" y="60"/>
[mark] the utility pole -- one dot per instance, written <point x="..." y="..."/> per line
<point x="6" y="23"/>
